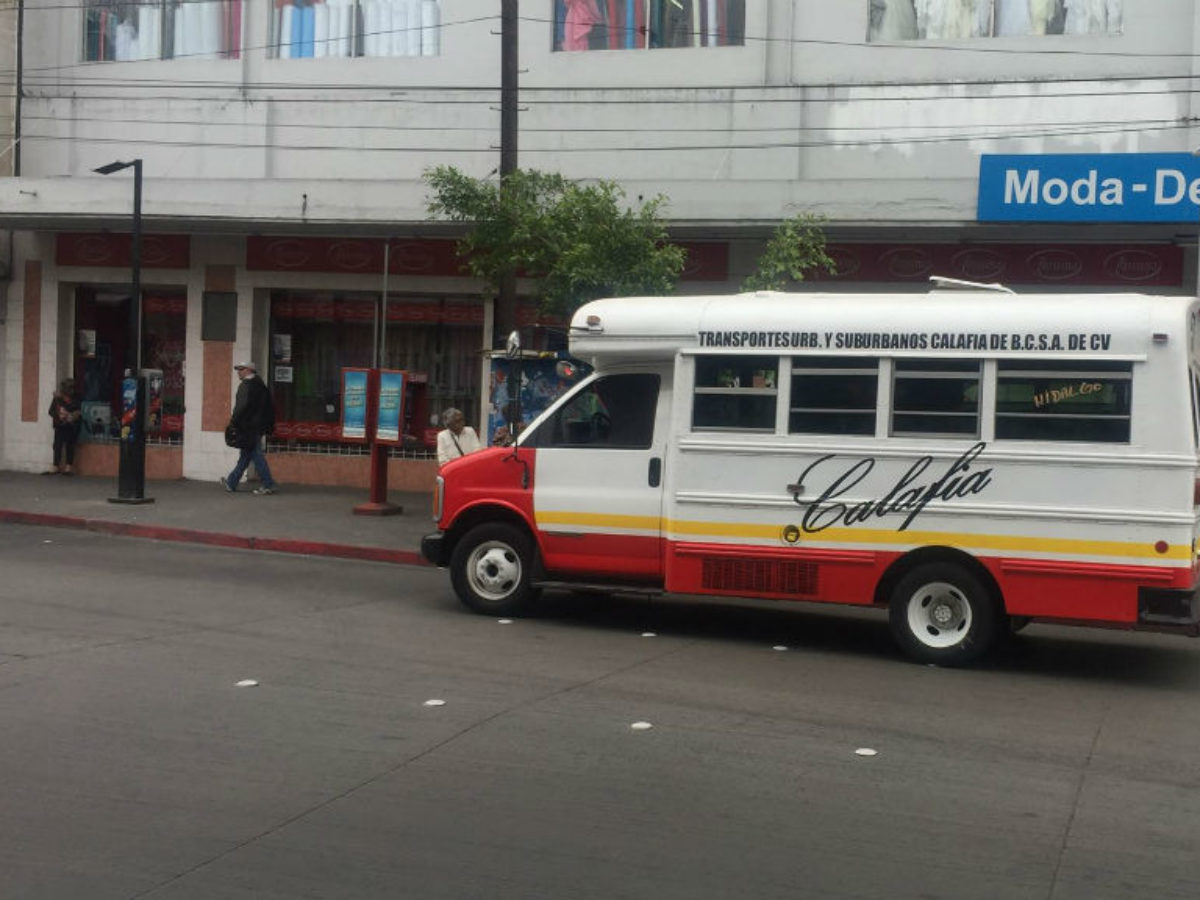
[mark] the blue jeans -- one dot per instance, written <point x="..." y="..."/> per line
<point x="251" y="455"/>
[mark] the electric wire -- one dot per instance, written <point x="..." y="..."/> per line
<point x="677" y="148"/>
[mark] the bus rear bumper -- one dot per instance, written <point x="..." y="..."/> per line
<point x="1169" y="609"/>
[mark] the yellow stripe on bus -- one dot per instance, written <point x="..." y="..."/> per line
<point x="1018" y="543"/>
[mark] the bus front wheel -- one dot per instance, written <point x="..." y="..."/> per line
<point x="941" y="613"/>
<point x="490" y="569"/>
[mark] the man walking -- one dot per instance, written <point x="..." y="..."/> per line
<point x="253" y="417"/>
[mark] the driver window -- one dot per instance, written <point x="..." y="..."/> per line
<point x="614" y="412"/>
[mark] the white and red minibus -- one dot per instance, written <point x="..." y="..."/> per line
<point x="968" y="460"/>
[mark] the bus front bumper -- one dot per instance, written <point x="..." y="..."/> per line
<point x="434" y="549"/>
<point x="1169" y="609"/>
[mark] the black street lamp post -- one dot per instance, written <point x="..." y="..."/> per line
<point x="131" y="461"/>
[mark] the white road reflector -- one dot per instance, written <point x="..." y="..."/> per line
<point x="641" y="726"/>
<point x="435" y="702"/>
<point x="779" y="647"/>
<point x="866" y="751"/>
<point x="247" y="682"/>
<point x="649" y="634"/>
<point x="504" y="621"/>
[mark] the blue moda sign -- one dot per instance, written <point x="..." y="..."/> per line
<point x="1068" y="187"/>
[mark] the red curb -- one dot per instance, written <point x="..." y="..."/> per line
<point x="215" y="538"/>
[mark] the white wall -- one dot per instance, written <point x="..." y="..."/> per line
<point x="815" y="82"/>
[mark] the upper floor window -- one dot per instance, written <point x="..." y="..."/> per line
<point x="901" y="20"/>
<point x="648" y="24"/>
<point x="161" y="29"/>
<point x="302" y="29"/>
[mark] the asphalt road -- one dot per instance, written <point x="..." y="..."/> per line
<point x="132" y="765"/>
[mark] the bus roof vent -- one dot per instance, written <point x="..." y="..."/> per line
<point x="942" y="283"/>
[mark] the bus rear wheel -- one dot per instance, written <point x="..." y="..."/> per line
<point x="490" y="569"/>
<point x="941" y="613"/>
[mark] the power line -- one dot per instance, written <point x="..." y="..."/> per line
<point x="235" y="90"/>
<point x="325" y="126"/>
<point x="237" y="85"/>
<point x="1067" y="131"/>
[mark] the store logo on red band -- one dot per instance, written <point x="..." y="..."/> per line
<point x="350" y="255"/>
<point x="1056" y="265"/>
<point x="1133" y="265"/>
<point x="979" y="264"/>
<point x="409" y="257"/>
<point x="908" y="262"/>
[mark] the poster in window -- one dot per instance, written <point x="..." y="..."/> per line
<point x="87" y="343"/>
<point x="389" y="410"/>
<point x="354" y="404"/>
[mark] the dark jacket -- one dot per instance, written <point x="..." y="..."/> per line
<point x="253" y="411"/>
<point x="64" y="411"/>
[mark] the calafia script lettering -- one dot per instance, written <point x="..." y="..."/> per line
<point x="909" y="496"/>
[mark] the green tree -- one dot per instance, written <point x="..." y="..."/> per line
<point x="796" y="247"/>
<point x="577" y="241"/>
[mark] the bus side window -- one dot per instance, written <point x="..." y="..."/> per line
<point x="614" y="412"/>
<point x="1057" y="400"/>
<point x="833" y="395"/>
<point x="735" y="393"/>
<point x="936" y="396"/>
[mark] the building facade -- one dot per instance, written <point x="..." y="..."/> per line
<point x="284" y="213"/>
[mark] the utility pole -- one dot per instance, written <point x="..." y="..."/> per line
<point x="506" y="302"/>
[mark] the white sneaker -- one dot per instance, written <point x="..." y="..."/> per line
<point x="264" y="490"/>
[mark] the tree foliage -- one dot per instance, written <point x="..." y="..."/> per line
<point x="796" y="247"/>
<point x="577" y="241"/>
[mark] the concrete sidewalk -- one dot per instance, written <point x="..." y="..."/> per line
<point x="304" y="519"/>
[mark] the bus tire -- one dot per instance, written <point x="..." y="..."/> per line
<point x="942" y="614"/>
<point x="490" y="569"/>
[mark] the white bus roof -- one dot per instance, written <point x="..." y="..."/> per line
<point x="953" y="323"/>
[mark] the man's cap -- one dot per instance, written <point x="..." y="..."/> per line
<point x="247" y="365"/>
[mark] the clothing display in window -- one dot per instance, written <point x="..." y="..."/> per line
<point x="893" y="20"/>
<point x="317" y="28"/>
<point x="1093" y="17"/>
<point x="168" y="29"/>
<point x="582" y="16"/>
<point x="948" y="19"/>
<point x="958" y="19"/>
<point x="641" y="24"/>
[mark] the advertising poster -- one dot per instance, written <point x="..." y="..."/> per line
<point x="129" y="410"/>
<point x="354" y="404"/>
<point x="154" y="400"/>
<point x="391" y="393"/>
<point x="540" y="386"/>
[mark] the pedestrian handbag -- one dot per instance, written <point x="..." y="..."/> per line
<point x="233" y="437"/>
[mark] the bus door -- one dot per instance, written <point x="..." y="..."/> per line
<point x="598" y="479"/>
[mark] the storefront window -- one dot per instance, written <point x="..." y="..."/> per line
<point x="101" y="340"/>
<point x="303" y="29"/>
<point x="161" y="29"/>
<point x="314" y="335"/>
<point x="647" y="24"/>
